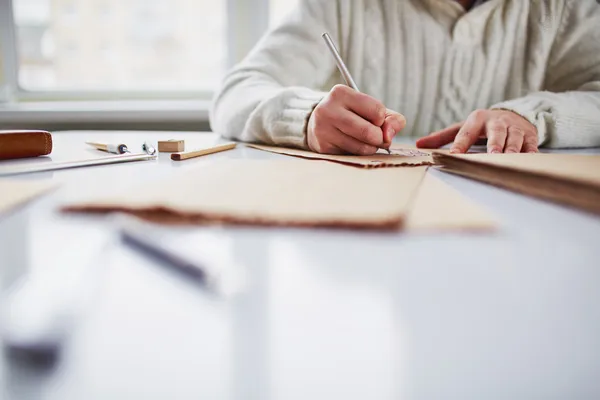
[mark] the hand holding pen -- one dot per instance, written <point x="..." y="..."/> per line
<point x="348" y="121"/>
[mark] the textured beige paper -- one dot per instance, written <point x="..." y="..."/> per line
<point x="565" y="178"/>
<point x="400" y="157"/>
<point x="438" y="207"/>
<point x="571" y="167"/>
<point x="285" y="192"/>
<point x="14" y="193"/>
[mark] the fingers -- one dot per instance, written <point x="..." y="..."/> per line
<point x="440" y="138"/>
<point x="362" y="104"/>
<point x="350" y="145"/>
<point x="350" y="121"/>
<point x="530" y="143"/>
<point x="470" y="131"/>
<point x="323" y="135"/>
<point x="358" y="128"/>
<point x="505" y="131"/>
<point x="514" y="141"/>
<point x="497" y="132"/>
<point x="394" y="123"/>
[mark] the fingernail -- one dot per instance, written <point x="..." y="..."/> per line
<point x="390" y="134"/>
<point x="495" y="151"/>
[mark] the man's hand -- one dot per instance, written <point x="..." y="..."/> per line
<point x="347" y="121"/>
<point x="505" y="131"/>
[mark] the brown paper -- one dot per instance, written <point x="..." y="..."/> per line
<point x="564" y="178"/>
<point x="15" y="193"/>
<point x="400" y="157"/>
<point x="273" y="192"/>
<point x="438" y="207"/>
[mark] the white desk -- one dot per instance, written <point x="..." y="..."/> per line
<point x="326" y="314"/>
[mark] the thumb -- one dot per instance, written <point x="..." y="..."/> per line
<point x="394" y="122"/>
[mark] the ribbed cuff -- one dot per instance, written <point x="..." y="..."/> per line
<point x="298" y="105"/>
<point x="533" y="110"/>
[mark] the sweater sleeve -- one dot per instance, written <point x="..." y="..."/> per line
<point x="269" y="96"/>
<point x="567" y="114"/>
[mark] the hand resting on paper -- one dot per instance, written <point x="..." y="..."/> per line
<point x="350" y="122"/>
<point x="505" y="131"/>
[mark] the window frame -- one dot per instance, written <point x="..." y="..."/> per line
<point x="246" y="21"/>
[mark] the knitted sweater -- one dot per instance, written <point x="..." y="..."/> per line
<point x="427" y="59"/>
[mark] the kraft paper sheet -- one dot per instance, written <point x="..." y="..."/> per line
<point x="400" y="157"/>
<point x="14" y="193"/>
<point x="274" y="192"/>
<point x="569" y="179"/>
<point x="299" y="193"/>
<point x="439" y="208"/>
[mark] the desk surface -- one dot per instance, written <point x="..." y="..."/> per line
<point x="326" y="314"/>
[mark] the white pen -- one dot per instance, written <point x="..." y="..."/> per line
<point x="110" y="148"/>
<point x="342" y="66"/>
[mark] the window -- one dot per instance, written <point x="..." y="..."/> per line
<point x="133" y="48"/>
